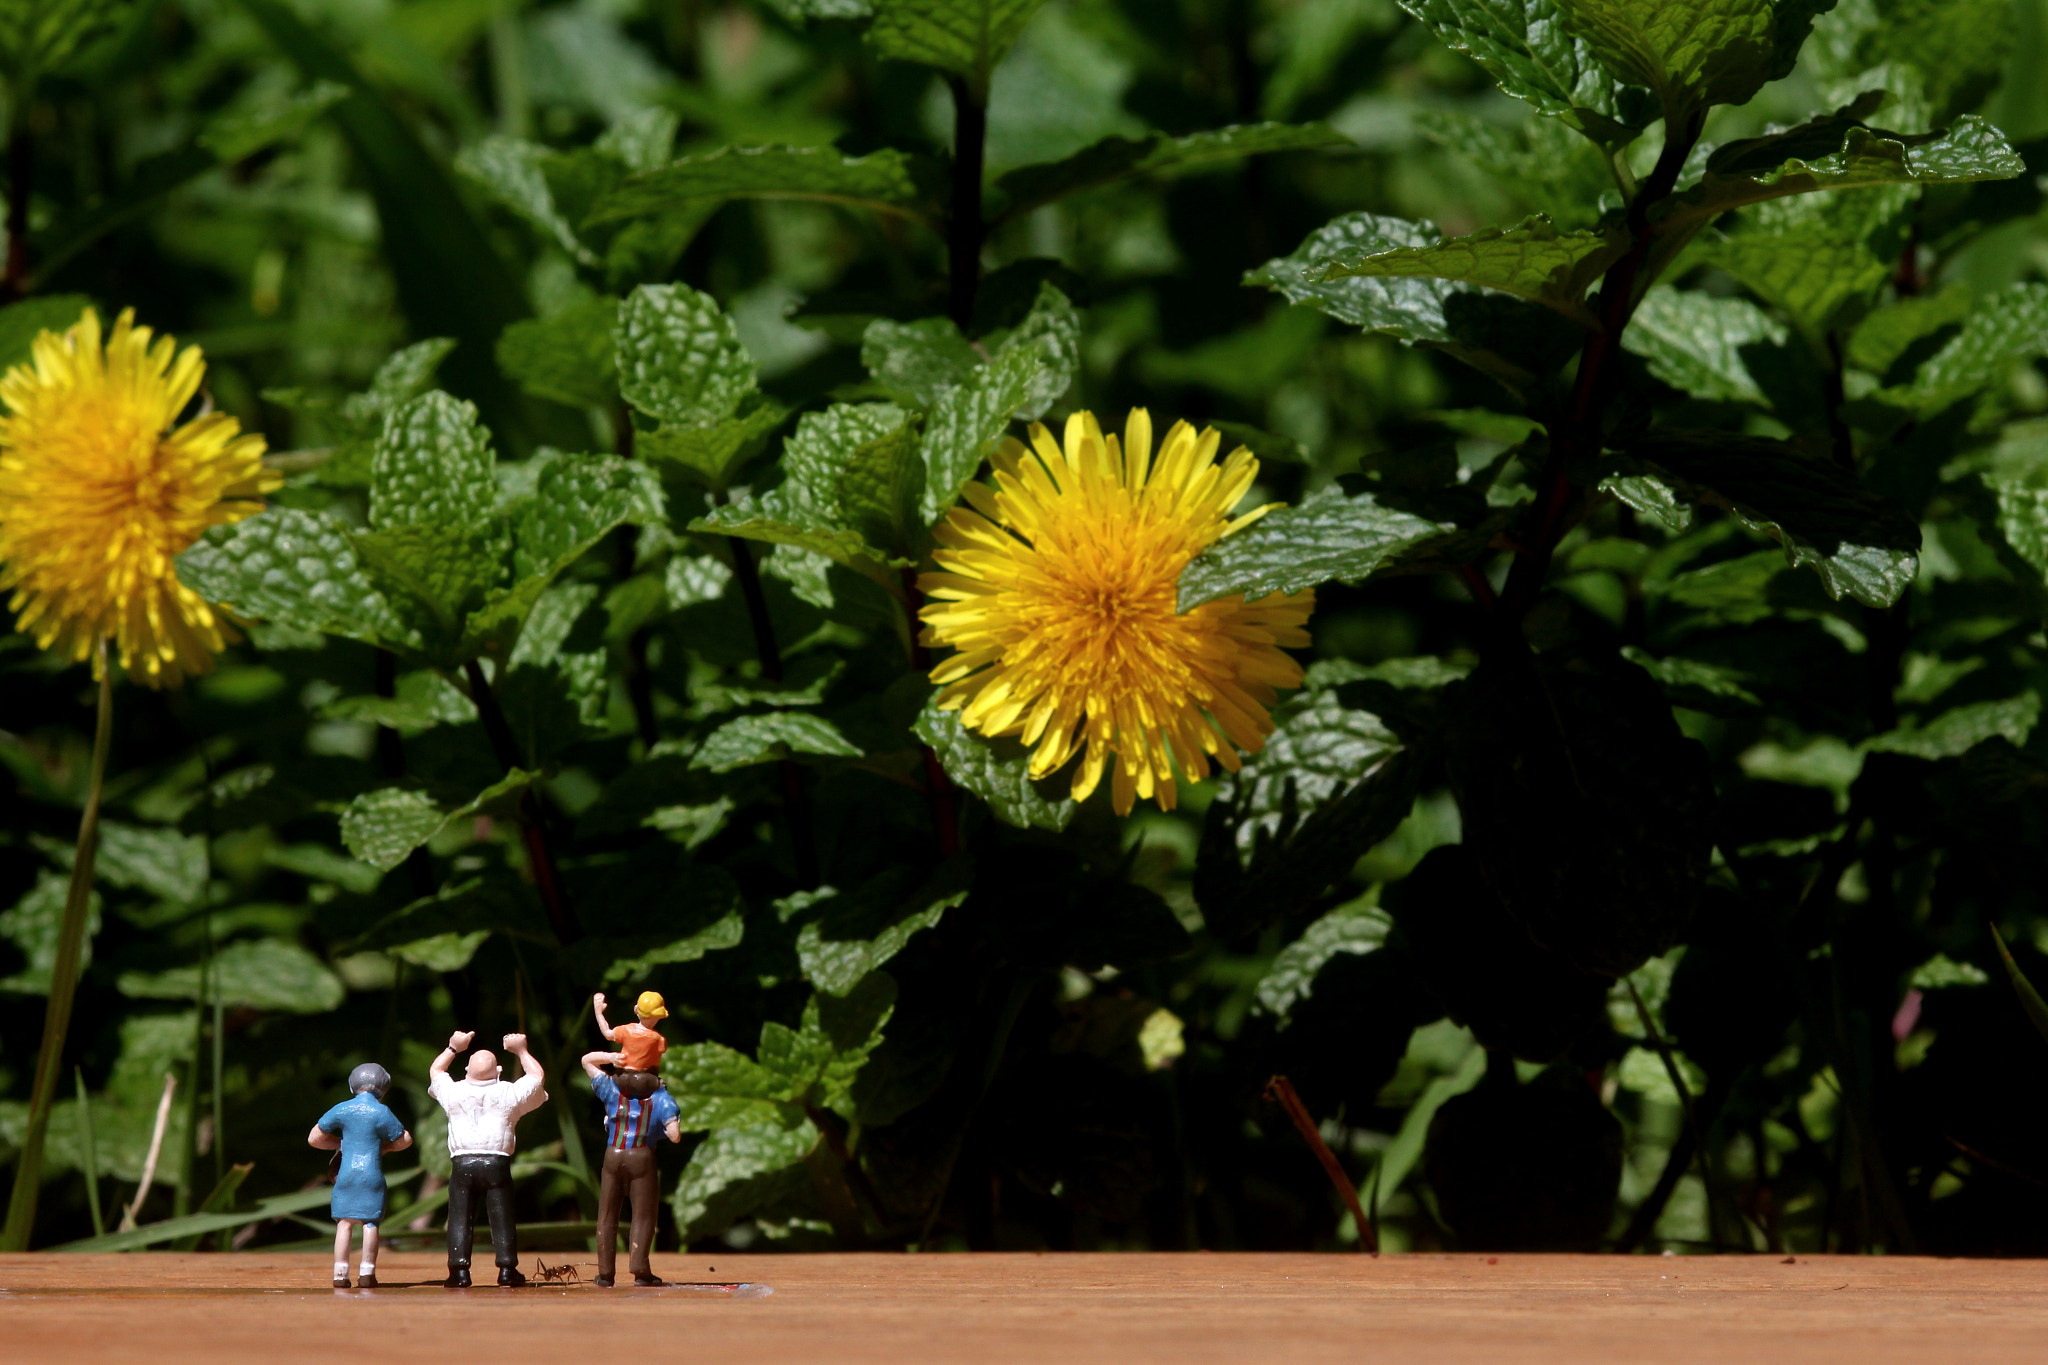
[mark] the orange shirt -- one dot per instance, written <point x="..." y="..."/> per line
<point x="641" y="1045"/>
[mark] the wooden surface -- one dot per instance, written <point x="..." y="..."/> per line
<point x="1055" y="1309"/>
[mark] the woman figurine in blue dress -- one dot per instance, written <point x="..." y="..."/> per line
<point x="363" y="1129"/>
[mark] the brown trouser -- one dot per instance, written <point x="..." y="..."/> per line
<point x="629" y="1172"/>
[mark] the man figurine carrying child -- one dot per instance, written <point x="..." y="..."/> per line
<point x="482" y="1110"/>
<point x="638" y="1111"/>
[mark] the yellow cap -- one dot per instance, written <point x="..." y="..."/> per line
<point x="649" y="1006"/>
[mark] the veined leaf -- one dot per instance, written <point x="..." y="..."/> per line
<point x="510" y="168"/>
<point x="1969" y="151"/>
<point x="739" y="1172"/>
<point x="1999" y="333"/>
<point x="713" y="456"/>
<point x="1693" y="53"/>
<point x="1526" y="46"/>
<point x="885" y="181"/>
<point x="567" y="358"/>
<point x="1509" y="338"/>
<point x="1032" y="367"/>
<point x="843" y="936"/>
<point x="771" y="735"/>
<point x="680" y="358"/>
<point x="1859" y="543"/>
<point x="919" y="360"/>
<point x="297" y="569"/>
<point x="1329" y="536"/>
<point x="964" y="38"/>
<point x="997" y="771"/>
<point x="1122" y="158"/>
<point x="880" y="489"/>
<point x="1532" y="260"/>
<point x="1704" y="344"/>
<point x="1821" y="259"/>
<point x="1960" y="729"/>
<point x="433" y="466"/>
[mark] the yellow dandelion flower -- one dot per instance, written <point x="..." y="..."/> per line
<point x="1057" y="588"/>
<point x="99" y="492"/>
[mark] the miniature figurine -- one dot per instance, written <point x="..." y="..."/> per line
<point x="636" y="1106"/>
<point x="361" y="1129"/>
<point x="640" y="1044"/>
<point x="482" y="1111"/>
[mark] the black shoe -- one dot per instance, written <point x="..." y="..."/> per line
<point x="645" y="1280"/>
<point x="601" y="1281"/>
<point x="341" y="1281"/>
<point x="510" y="1277"/>
<point x="368" y="1281"/>
<point x="457" y="1279"/>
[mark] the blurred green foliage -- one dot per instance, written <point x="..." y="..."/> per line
<point x="1665" y="428"/>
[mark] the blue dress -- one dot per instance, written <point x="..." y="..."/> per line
<point x="364" y="1125"/>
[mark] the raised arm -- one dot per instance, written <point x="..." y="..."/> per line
<point x="595" y="1062"/>
<point x="597" y="1008"/>
<point x="458" y="1043"/>
<point x="515" y="1043"/>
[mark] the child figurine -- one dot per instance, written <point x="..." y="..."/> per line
<point x="362" y="1129"/>
<point x="482" y="1110"/>
<point x="636" y="1107"/>
<point x="640" y="1045"/>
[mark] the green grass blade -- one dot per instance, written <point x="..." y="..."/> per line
<point x="197" y="1224"/>
<point x="451" y="280"/>
<point x="2030" y="999"/>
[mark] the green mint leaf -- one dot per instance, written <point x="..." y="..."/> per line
<point x="578" y="500"/>
<point x="680" y="358"/>
<point x="512" y="170"/>
<point x="1971" y="150"/>
<point x="1527" y="48"/>
<point x="296" y="569"/>
<point x="847" y="1027"/>
<point x="964" y="38"/>
<point x="382" y="828"/>
<point x="1860" y="544"/>
<point x="1882" y="338"/>
<point x="433" y="466"/>
<point x="774" y="734"/>
<point x="713" y="456"/>
<point x="843" y="936"/>
<point x="435" y="575"/>
<point x="568" y="358"/>
<point x="741" y="1171"/>
<point x="1353" y="928"/>
<point x="997" y="771"/>
<point x="2000" y="332"/>
<point x="1960" y="729"/>
<point x="1821" y="260"/>
<point x="717" y="1087"/>
<point x="1705" y="345"/>
<point x="886" y="181"/>
<point x="1121" y="158"/>
<point x="1531" y="260"/>
<point x="880" y="489"/>
<point x="1694" y="53"/>
<point x="1292" y="548"/>
<point x="258" y="974"/>
<point x="916" y="360"/>
<point x="1508" y="338"/>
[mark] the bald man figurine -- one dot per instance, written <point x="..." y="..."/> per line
<point x="482" y="1111"/>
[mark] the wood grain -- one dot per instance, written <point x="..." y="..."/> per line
<point x="1064" y="1309"/>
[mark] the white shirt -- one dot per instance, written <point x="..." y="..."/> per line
<point x="481" y="1114"/>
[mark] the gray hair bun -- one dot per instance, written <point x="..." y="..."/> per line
<point x="369" y="1076"/>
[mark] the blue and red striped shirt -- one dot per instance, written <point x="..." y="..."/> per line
<point x="628" y="1122"/>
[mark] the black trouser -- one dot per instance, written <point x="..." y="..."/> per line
<point x="628" y="1172"/>
<point x="490" y="1176"/>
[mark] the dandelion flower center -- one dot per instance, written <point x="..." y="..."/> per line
<point x="1057" y="588"/>
<point x="100" y="492"/>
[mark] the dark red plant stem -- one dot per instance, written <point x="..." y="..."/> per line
<point x="964" y="228"/>
<point x="21" y="168"/>
<point x="1282" y="1090"/>
<point x="1482" y="591"/>
<point x="1578" y="438"/>
<point x="533" y="832"/>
